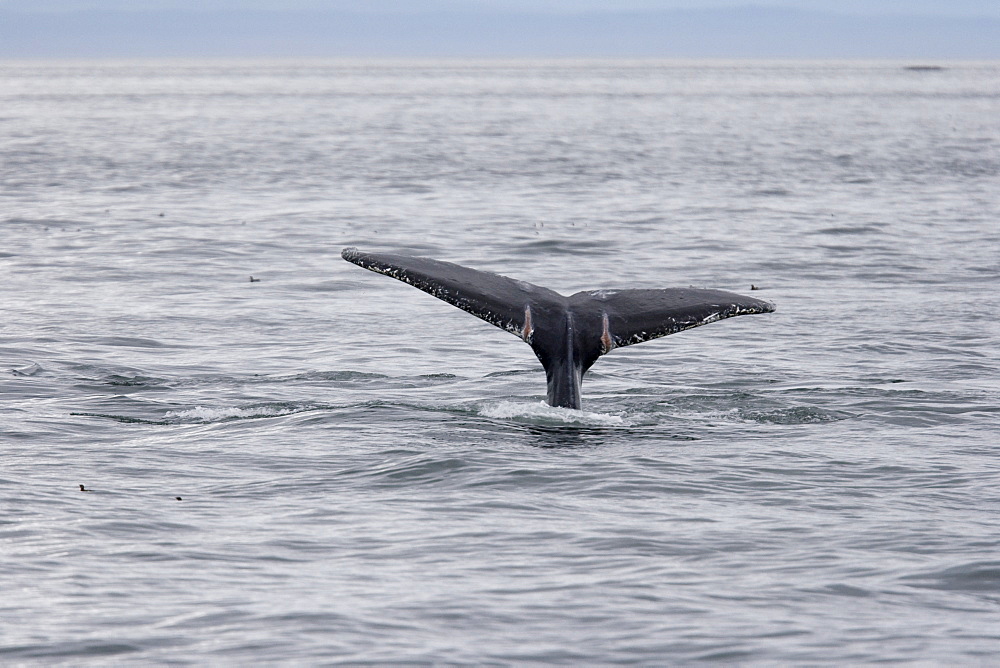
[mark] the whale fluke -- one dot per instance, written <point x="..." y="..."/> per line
<point x="567" y="334"/>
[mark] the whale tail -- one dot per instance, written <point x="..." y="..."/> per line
<point x="567" y="334"/>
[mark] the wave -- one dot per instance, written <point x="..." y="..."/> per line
<point x="209" y="415"/>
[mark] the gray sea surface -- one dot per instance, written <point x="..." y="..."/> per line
<point x="327" y="466"/>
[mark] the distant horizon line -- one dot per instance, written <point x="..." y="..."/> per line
<point x="552" y="13"/>
<point x="457" y="59"/>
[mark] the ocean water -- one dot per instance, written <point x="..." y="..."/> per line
<point x="325" y="465"/>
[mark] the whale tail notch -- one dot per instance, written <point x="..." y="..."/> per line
<point x="567" y="334"/>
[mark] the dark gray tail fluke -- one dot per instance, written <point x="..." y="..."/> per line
<point x="568" y="334"/>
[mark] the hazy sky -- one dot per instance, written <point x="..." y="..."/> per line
<point x="962" y="29"/>
<point x="925" y="7"/>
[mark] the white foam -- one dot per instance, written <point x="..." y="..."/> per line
<point x="217" y="414"/>
<point x="542" y="412"/>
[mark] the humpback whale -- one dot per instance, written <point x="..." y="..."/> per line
<point x="567" y="334"/>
